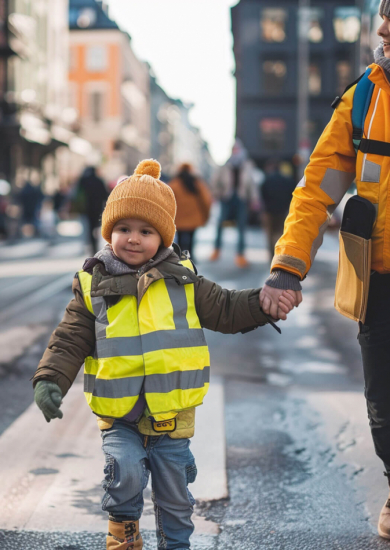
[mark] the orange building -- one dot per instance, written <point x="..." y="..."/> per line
<point x="109" y="87"/>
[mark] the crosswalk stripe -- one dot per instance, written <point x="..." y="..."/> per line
<point x="51" y="473"/>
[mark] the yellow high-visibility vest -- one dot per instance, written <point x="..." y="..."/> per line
<point x="157" y="345"/>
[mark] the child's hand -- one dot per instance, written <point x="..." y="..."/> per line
<point x="48" y="397"/>
<point x="270" y="304"/>
<point x="286" y="303"/>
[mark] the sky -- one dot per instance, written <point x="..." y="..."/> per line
<point x="189" y="46"/>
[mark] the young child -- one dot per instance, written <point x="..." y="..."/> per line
<point x="136" y="322"/>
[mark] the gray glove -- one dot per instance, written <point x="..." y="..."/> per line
<point x="48" y="397"/>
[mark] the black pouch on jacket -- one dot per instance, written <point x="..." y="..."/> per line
<point x="359" y="217"/>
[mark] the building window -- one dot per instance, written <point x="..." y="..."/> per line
<point x="315" y="81"/>
<point x="346" y="23"/>
<point x="96" y="59"/>
<point x="274" y="76"/>
<point x="273" y="133"/>
<point x="96" y="106"/>
<point x="344" y="75"/>
<point x="316" y="33"/>
<point x="273" y="24"/>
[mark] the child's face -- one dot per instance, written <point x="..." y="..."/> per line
<point x="135" y="241"/>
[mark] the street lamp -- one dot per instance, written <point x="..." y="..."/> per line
<point x="303" y="90"/>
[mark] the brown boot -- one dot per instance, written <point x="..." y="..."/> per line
<point x="215" y="255"/>
<point x="124" y="535"/>
<point x="384" y="520"/>
<point x="241" y="261"/>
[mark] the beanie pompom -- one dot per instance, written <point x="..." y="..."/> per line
<point x="149" y="167"/>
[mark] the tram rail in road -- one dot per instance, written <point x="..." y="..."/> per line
<point x="30" y="293"/>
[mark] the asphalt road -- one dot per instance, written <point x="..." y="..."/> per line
<point x="301" y="469"/>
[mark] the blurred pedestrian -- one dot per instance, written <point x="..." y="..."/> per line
<point x="47" y="220"/>
<point x="30" y="199"/>
<point x="193" y="200"/>
<point x="355" y="144"/>
<point x="234" y="185"/>
<point x="276" y="194"/>
<point x="61" y="202"/>
<point x="136" y="323"/>
<point x="91" y="196"/>
<point x="5" y="189"/>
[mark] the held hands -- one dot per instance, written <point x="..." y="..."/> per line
<point x="277" y="302"/>
<point x="48" y="397"/>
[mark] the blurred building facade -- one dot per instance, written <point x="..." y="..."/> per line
<point x="72" y="92"/>
<point x="109" y="88"/>
<point x="371" y="21"/>
<point x="34" y="122"/>
<point x="173" y="138"/>
<point x="266" y="53"/>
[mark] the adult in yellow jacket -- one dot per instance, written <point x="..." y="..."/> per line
<point x="332" y="168"/>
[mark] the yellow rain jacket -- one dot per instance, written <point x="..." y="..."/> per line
<point x="332" y="168"/>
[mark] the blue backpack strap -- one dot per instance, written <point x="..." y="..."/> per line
<point x="361" y="104"/>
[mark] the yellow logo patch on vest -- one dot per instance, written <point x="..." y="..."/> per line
<point x="164" y="425"/>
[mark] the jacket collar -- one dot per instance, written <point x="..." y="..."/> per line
<point x="104" y="284"/>
<point x="378" y="77"/>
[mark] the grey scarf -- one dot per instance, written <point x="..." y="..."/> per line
<point x="115" y="266"/>
<point x="382" y="61"/>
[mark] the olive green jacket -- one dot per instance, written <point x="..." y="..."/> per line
<point x="218" y="309"/>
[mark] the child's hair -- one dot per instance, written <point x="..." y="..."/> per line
<point x="142" y="196"/>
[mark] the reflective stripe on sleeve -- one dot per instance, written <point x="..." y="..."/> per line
<point x="336" y="183"/>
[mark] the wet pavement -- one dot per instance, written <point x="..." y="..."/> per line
<point x="285" y="489"/>
<point x="301" y="467"/>
<point x="70" y="541"/>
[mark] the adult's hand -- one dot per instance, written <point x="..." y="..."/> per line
<point x="278" y="302"/>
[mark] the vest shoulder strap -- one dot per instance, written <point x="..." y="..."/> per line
<point x="188" y="263"/>
<point x="185" y="259"/>
<point x="85" y="279"/>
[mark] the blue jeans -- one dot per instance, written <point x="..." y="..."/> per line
<point x="233" y="209"/>
<point x="130" y="457"/>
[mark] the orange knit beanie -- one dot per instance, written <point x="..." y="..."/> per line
<point x="142" y="196"/>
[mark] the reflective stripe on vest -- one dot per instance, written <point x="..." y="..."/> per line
<point x="158" y="345"/>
